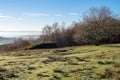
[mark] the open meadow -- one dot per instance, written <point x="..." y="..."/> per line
<point x="72" y="63"/>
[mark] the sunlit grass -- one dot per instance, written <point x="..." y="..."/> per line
<point x="73" y="63"/>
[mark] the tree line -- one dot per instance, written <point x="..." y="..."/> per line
<point x="98" y="26"/>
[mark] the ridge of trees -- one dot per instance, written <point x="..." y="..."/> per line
<point x="99" y="26"/>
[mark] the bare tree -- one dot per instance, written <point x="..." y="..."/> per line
<point x="46" y="36"/>
<point x="96" y="19"/>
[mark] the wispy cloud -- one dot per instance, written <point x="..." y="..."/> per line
<point x="58" y="15"/>
<point x="73" y="14"/>
<point x="54" y="15"/>
<point x="3" y="16"/>
<point x="20" y="19"/>
<point x="36" y="14"/>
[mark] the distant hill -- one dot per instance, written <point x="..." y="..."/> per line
<point x="30" y="36"/>
<point x="2" y="38"/>
<point x="7" y="40"/>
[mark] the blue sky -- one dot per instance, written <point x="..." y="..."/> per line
<point x="32" y="15"/>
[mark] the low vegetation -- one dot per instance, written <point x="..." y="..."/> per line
<point x="70" y="63"/>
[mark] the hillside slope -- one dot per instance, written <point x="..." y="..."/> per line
<point x="73" y="63"/>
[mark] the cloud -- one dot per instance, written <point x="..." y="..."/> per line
<point x="58" y="15"/>
<point x="55" y="15"/>
<point x="36" y="14"/>
<point x="20" y="18"/>
<point x="43" y="14"/>
<point x="73" y="14"/>
<point x="2" y="16"/>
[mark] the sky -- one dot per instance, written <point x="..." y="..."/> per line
<point x="33" y="15"/>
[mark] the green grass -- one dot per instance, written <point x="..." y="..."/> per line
<point x="72" y="63"/>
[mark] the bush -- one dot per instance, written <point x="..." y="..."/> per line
<point x="44" y="46"/>
<point x="19" y="44"/>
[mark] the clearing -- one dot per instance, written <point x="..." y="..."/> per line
<point x="72" y="63"/>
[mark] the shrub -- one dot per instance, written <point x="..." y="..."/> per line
<point x="44" y="46"/>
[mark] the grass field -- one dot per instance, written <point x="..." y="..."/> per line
<point x="73" y="63"/>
